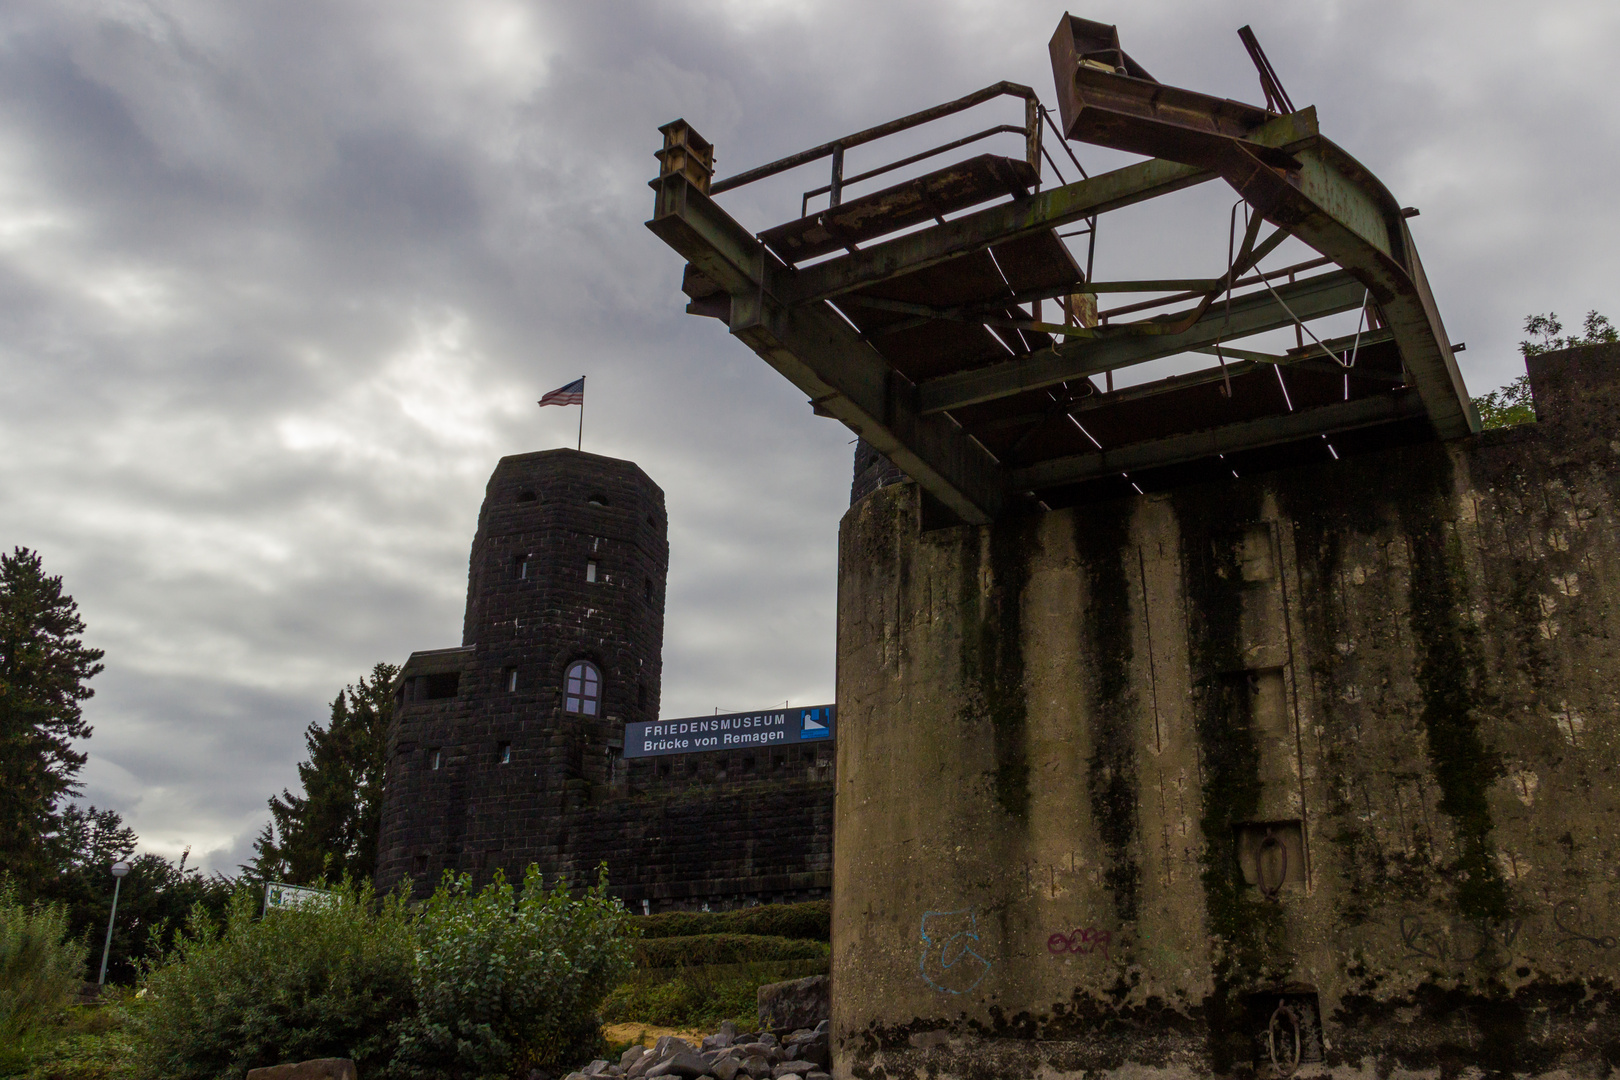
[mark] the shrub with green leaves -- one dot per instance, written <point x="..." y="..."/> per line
<point x="40" y="967"/>
<point x="505" y="983"/>
<point x="1544" y="333"/>
<point x="328" y="981"/>
<point x="1507" y="406"/>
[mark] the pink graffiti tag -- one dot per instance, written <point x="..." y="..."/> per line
<point x="1081" y="942"/>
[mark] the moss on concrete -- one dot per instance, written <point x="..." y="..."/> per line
<point x="1249" y="949"/>
<point x="993" y="653"/>
<point x="1102" y="541"/>
<point x="1448" y="676"/>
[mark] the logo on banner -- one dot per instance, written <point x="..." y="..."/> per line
<point x="813" y="725"/>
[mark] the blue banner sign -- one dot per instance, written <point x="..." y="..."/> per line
<point x="730" y="731"/>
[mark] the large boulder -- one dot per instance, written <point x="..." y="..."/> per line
<point x="800" y="1003"/>
<point x="682" y="1063"/>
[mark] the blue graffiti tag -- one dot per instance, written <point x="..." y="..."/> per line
<point x="948" y="963"/>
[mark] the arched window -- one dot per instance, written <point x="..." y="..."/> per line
<point x="582" y="689"/>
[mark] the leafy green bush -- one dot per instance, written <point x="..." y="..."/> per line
<point x="811" y="920"/>
<point x="474" y="984"/>
<point x="669" y="952"/>
<point x="1507" y="406"/>
<point x="40" y="967"/>
<point x="328" y="981"/>
<point x="1598" y="331"/>
<point x="503" y="986"/>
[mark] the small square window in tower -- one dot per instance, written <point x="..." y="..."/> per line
<point x="590" y="570"/>
<point x="582" y="689"/>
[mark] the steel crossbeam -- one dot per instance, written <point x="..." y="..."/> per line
<point x="820" y="354"/>
<point x="1324" y="197"/>
<point x="1249" y="435"/>
<point x="1249" y="314"/>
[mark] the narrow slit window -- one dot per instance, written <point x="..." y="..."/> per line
<point x="435" y="758"/>
<point x="590" y="570"/>
<point x="504" y="753"/>
<point x="582" y="689"/>
<point x="511" y="680"/>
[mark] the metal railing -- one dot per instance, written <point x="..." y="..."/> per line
<point x="1031" y="130"/>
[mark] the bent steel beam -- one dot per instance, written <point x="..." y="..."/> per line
<point x="820" y="354"/>
<point x="1249" y="314"/>
<point x="1040" y="212"/>
<point x="999" y="224"/>
<point x="1315" y="190"/>
<point x="949" y="316"/>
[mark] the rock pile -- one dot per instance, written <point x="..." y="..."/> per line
<point x="725" y="1055"/>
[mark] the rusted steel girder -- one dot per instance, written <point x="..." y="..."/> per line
<point x="820" y="354"/>
<point x="1313" y="189"/>
<point x="1253" y="313"/>
<point x="1041" y="212"/>
<point x="933" y="345"/>
<point x="1329" y="419"/>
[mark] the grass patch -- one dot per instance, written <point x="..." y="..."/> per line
<point x="85" y="1042"/>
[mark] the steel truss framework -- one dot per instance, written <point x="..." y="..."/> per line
<point x="931" y="343"/>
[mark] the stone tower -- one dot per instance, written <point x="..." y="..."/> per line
<point x="496" y="743"/>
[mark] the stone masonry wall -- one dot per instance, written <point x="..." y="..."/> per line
<point x="487" y="770"/>
<point x="1303" y="772"/>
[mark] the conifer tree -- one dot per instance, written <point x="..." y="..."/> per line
<point x="331" y="829"/>
<point x="44" y="668"/>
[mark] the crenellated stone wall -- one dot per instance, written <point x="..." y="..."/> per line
<point x="1307" y="772"/>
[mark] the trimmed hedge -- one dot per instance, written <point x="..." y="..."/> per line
<point x="701" y="949"/>
<point x="810" y="921"/>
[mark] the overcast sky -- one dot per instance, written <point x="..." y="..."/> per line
<point x="281" y="281"/>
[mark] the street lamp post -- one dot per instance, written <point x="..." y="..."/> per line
<point x="119" y="869"/>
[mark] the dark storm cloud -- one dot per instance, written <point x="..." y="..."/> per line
<point x="280" y="281"/>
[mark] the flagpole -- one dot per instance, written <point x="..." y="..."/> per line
<point x="580" y="442"/>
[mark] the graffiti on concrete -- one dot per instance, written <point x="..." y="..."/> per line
<point x="949" y="962"/>
<point x="1439" y="943"/>
<point x="1567" y="916"/>
<point x="1080" y="942"/>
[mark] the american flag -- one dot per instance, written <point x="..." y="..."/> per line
<point x="572" y="394"/>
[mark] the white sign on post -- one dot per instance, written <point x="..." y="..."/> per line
<point x="279" y="897"/>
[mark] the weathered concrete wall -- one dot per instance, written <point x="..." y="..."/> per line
<point x="1326" y="758"/>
